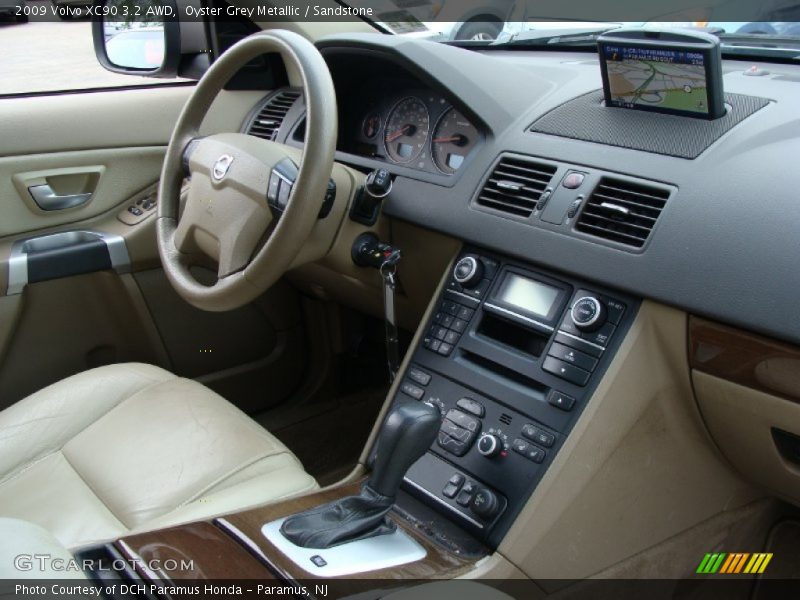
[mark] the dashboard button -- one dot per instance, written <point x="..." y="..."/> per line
<point x="575" y="342"/>
<point x="464" y="498"/>
<point x="445" y="349"/>
<point x="561" y="400"/>
<point x="457" y="479"/>
<point x="573" y="180"/>
<point x="485" y="504"/>
<point x="602" y="336"/>
<point x="419" y="376"/>
<point x="452" y="337"/>
<point x="535" y="454"/>
<point x="465" y="313"/>
<point x="412" y="390"/>
<point x="539" y="436"/>
<point x="615" y="311"/>
<point x="471" y="406"/>
<point x="573" y="356"/>
<point x="459" y="325"/>
<point x="450" y="491"/>
<point x="464" y="420"/>
<point x="566" y="371"/>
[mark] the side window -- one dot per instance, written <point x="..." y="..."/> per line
<point x="45" y="53"/>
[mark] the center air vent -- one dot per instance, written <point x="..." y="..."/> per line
<point x="622" y="211"/>
<point x="268" y="120"/>
<point x="515" y="185"/>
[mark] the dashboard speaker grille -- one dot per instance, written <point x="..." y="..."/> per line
<point x="622" y="211"/>
<point x="515" y="185"/>
<point x="268" y="120"/>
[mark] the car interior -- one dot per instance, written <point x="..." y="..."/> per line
<point x="347" y="306"/>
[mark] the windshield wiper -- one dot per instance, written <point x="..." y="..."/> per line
<point x="758" y="46"/>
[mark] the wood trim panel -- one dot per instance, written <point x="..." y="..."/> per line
<point x="745" y="358"/>
<point x="246" y="527"/>
<point x="214" y="554"/>
<point x="232" y="547"/>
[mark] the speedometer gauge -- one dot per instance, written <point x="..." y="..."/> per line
<point x="453" y="138"/>
<point x="406" y="130"/>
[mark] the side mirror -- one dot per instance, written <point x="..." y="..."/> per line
<point x="138" y="37"/>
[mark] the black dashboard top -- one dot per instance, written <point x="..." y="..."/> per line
<point x="724" y="245"/>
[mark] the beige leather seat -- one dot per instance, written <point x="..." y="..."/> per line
<point x="132" y="447"/>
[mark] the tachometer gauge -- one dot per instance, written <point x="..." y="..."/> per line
<point x="407" y="130"/>
<point x="371" y="125"/>
<point x="453" y="138"/>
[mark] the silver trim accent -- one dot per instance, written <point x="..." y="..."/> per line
<point x="598" y="310"/>
<point x="518" y="316"/>
<point x="511" y="186"/>
<point x="615" y="208"/>
<point x="432" y="496"/>
<point x="491" y="451"/>
<point x="575" y="337"/>
<point x="462" y="294"/>
<point x="221" y="166"/>
<point x="473" y="262"/>
<point x="48" y="200"/>
<point x="360" y="556"/>
<point x="18" y="259"/>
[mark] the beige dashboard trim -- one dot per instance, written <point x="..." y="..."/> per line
<point x="638" y="467"/>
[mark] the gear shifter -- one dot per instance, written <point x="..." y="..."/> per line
<point x="407" y="433"/>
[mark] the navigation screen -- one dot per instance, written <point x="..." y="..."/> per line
<point x="656" y="78"/>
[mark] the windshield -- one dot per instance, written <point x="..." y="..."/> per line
<point x="767" y="28"/>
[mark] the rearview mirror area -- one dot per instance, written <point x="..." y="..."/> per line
<point x="138" y="37"/>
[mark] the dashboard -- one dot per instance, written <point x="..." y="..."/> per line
<point x="726" y="209"/>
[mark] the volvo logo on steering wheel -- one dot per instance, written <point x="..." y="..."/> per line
<point x="221" y="167"/>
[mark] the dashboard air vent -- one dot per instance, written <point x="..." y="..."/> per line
<point x="515" y="185"/>
<point x="268" y="120"/>
<point x="622" y="211"/>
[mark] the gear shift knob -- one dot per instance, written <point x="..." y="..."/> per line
<point x="406" y="435"/>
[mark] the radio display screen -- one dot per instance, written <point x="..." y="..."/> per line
<point x="527" y="294"/>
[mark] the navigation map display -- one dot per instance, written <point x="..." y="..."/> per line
<point x="670" y="71"/>
<point x="650" y="77"/>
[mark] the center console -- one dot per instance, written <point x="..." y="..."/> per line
<point x="510" y="356"/>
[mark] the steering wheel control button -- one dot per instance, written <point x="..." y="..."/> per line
<point x="468" y="271"/>
<point x="588" y="313"/>
<point x="566" y="371"/>
<point x="573" y="180"/>
<point x="570" y="355"/>
<point x="419" y="376"/>
<point x="471" y="406"/>
<point x="560" y="400"/>
<point x="489" y="445"/>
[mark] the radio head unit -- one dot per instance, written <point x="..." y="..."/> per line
<point x="668" y="71"/>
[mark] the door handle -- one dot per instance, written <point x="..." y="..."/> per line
<point x="47" y="199"/>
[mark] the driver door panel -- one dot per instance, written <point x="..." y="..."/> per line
<point x="110" y="144"/>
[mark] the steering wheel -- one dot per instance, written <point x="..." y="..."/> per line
<point x="227" y="217"/>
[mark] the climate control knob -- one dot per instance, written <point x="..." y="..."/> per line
<point x="468" y="271"/>
<point x="490" y="445"/>
<point x="588" y="313"/>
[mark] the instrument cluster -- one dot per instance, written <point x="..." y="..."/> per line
<point x="415" y="128"/>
